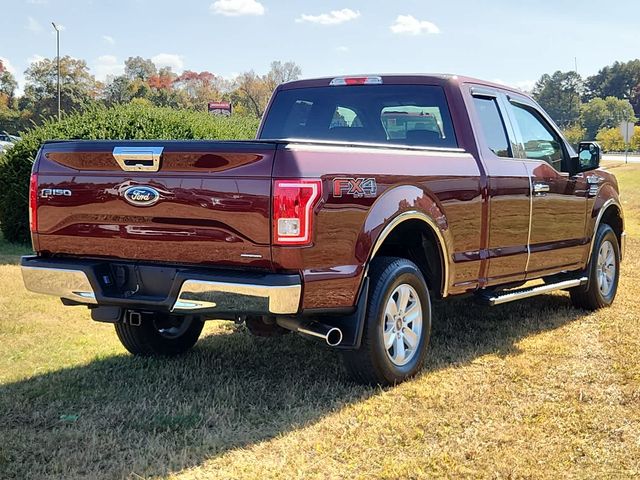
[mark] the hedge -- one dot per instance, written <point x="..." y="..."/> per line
<point x="122" y="122"/>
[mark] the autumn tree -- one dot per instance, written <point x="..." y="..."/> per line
<point x="199" y="88"/>
<point x="252" y="91"/>
<point x="8" y="86"/>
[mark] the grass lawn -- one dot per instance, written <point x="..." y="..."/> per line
<point x="535" y="389"/>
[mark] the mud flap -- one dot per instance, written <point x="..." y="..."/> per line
<point x="352" y="325"/>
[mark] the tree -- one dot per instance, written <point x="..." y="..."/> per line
<point x="200" y="88"/>
<point x="138" y="68"/>
<point x="8" y="87"/>
<point x="252" y="91"/>
<point x="605" y="113"/>
<point x="617" y="80"/>
<point x="281" y="73"/>
<point x="117" y="90"/>
<point x="611" y="140"/>
<point x="78" y="87"/>
<point x="575" y="134"/>
<point x="635" y="140"/>
<point x="559" y="94"/>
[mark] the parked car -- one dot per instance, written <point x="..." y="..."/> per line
<point x="327" y="224"/>
<point x="7" y="141"/>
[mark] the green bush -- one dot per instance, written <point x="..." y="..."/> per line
<point x="132" y="121"/>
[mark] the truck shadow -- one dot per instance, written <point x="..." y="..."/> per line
<point x="121" y="414"/>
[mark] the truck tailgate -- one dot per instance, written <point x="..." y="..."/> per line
<point x="208" y="202"/>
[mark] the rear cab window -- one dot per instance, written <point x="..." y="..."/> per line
<point x="414" y="115"/>
<point x="492" y="126"/>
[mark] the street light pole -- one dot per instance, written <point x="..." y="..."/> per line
<point x="58" y="61"/>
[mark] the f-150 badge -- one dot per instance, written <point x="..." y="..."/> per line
<point x="356" y="187"/>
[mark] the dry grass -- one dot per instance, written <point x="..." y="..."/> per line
<point x="535" y="389"/>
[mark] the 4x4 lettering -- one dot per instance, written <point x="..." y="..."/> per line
<point x="356" y="187"/>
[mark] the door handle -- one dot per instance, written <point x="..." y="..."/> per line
<point x="539" y="188"/>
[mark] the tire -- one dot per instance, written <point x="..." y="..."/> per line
<point x="602" y="286"/>
<point x="160" y="335"/>
<point x="373" y="363"/>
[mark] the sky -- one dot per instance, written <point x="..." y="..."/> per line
<point x="512" y="42"/>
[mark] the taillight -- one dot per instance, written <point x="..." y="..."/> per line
<point x="33" y="203"/>
<point x="293" y="202"/>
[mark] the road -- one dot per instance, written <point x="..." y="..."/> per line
<point x="608" y="157"/>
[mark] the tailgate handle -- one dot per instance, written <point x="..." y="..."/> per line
<point x="138" y="159"/>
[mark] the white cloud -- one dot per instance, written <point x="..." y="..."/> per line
<point x="109" y="39"/>
<point x="169" y="60"/>
<point x="410" y="25"/>
<point x="236" y="8"/>
<point x="35" y="58"/>
<point x="38" y="2"/>
<point x="334" y="17"/>
<point x="107" y="65"/>
<point x="342" y="48"/>
<point x="7" y="65"/>
<point x="524" y="85"/>
<point x="33" y="25"/>
<point x="19" y="76"/>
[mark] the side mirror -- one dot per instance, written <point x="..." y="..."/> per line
<point x="589" y="156"/>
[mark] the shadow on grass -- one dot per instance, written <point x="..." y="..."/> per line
<point x="121" y="414"/>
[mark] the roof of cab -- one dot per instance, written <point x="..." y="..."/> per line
<point x="403" y="78"/>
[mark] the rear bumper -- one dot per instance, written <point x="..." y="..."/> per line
<point x="163" y="288"/>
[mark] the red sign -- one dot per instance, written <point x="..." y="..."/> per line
<point x="220" y="108"/>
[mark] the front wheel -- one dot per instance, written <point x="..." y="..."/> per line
<point x="397" y="325"/>
<point x="603" y="271"/>
<point x="159" y="334"/>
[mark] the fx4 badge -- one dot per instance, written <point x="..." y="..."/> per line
<point x="356" y="187"/>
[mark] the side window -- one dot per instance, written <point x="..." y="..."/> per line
<point x="345" y="117"/>
<point x="492" y="126"/>
<point x="540" y="141"/>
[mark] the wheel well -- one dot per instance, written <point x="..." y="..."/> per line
<point x="612" y="217"/>
<point x="416" y="241"/>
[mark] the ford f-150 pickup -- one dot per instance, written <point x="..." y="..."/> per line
<point x="361" y="198"/>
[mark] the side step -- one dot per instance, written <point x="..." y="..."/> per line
<point x="497" y="298"/>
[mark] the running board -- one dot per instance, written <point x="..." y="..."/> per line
<point x="494" y="298"/>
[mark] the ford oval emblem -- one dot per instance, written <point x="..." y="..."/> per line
<point x="141" y="196"/>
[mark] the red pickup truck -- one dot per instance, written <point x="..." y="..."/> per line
<point x="361" y="198"/>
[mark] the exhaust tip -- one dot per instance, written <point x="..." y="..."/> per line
<point x="334" y="337"/>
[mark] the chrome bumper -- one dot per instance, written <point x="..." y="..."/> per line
<point x="70" y="284"/>
<point x="205" y="295"/>
<point x="186" y="290"/>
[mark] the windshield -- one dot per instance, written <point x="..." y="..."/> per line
<point x="415" y="115"/>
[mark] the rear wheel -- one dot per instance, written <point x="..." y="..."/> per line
<point x="397" y="325"/>
<point x="603" y="271"/>
<point x="159" y="334"/>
